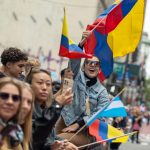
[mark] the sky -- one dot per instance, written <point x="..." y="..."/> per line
<point x="147" y="29"/>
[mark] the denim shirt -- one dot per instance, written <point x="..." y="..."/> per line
<point x="97" y="94"/>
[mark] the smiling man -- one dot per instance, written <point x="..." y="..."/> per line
<point x="13" y="61"/>
<point x="89" y="97"/>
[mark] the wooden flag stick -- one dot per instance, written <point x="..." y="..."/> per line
<point x="106" y="140"/>
<point x="69" y="65"/>
<point x="84" y="39"/>
<point x="77" y="132"/>
<point x="102" y="109"/>
<point x="120" y="92"/>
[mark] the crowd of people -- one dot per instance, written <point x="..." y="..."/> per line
<point x="39" y="114"/>
<point x="36" y="114"/>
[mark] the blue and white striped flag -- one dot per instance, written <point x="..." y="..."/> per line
<point x="114" y="109"/>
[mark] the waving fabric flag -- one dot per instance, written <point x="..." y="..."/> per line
<point x="102" y="131"/>
<point x="116" y="32"/>
<point x="67" y="47"/>
<point x="114" y="109"/>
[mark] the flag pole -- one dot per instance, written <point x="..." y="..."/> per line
<point x="101" y="110"/>
<point x="121" y="92"/>
<point x="84" y="39"/>
<point x="83" y="146"/>
<point x="69" y="63"/>
<point x="77" y="132"/>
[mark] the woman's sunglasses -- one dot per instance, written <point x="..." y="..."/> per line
<point x="5" y="96"/>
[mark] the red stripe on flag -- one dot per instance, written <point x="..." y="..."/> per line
<point x="94" y="129"/>
<point x="72" y="54"/>
<point x="113" y="19"/>
<point x="101" y="76"/>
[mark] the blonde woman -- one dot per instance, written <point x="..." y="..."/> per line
<point x="25" y="117"/>
<point x="10" y="102"/>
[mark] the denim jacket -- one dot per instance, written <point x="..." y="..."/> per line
<point x="97" y="94"/>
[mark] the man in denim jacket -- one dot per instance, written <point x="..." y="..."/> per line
<point x="86" y="87"/>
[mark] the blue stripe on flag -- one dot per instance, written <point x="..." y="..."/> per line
<point x="114" y="112"/>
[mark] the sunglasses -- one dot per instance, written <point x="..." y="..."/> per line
<point x="90" y="63"/>
<point x="5" y="96"/>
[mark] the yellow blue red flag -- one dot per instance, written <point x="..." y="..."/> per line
<point x="67" y="47"/>
<point x="116" y="32"/>
<point x="102" y="131"/>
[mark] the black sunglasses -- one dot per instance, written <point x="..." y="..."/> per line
<point x="5" y="96"/>
<point x="90" y="63"/>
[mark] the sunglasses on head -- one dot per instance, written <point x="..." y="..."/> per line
<point x="5" y="96"/>
<point x="90" y="63"/>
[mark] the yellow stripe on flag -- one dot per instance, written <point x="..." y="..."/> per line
<point x="126" y="36"/>
<point x="113" y="132"/>
<point x="65" y="28"/>
<point x="65" y="25"/>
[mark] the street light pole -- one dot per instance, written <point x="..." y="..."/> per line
<point x="124" y="74"/>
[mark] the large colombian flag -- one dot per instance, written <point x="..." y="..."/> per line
<point x="103" y="131"/>
<point x="67" y="47"/>
<point x="116" y="32"/>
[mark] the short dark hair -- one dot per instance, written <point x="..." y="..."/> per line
<point x="13" y="55"/>
<point x="62" y="73"/>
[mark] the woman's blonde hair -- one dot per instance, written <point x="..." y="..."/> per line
<point x="32" y="62"/>
<point x="27" y="125"/>
<point x="29" y="79"/>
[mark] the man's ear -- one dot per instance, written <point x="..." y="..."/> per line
<point x="8" y="65"/>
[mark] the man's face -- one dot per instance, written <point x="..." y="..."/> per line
<point x="17" y="68"/>
<point x="92" y="67"/>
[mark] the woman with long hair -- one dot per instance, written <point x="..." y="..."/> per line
<point x="47" y="111"/>
<point x="11" y="134"/>
<point x="25" y="116"/>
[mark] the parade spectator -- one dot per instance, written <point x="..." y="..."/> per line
<point x="13" y="62"/>
<point x="89" y="97"/>
<point x="32" y="62"/>
<point x="136" y="123"/>
<point x="56" y="85"/>
<point x="25" y="115"/>
<point x="11" y="135"/>
<point x="47" y="111"/>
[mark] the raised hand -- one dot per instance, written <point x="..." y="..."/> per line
<point x="85" y="35"/>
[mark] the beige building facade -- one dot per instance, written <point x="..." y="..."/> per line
<point x="35" y="26"/>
